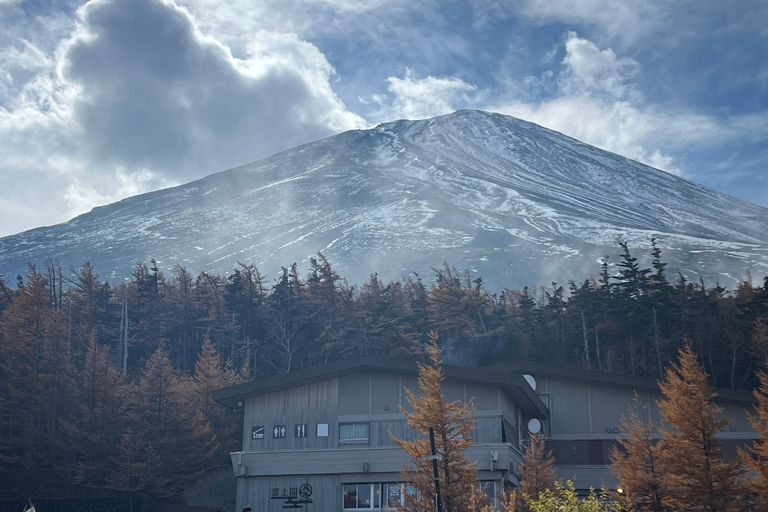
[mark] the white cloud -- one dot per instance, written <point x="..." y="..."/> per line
<point x="138" y="97"/>
<point x="81" y="197"/>
<point x="625" y="19"/>
<point x="598" y="103"/>
<point x="418" y="98"/>
<point x="590" y="70"/>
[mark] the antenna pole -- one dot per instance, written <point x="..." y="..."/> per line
<point x="438" y="499"/>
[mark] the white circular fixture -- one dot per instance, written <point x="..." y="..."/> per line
<point x="534" y="426"/>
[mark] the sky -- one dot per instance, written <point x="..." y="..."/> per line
<point x="105" y="99"/>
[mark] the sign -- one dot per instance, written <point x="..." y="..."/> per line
<point x="294" y="497"/>
<point x="301" y="430"/>
<point x="257" y="432"/>
<point x="322" y="430"/>
<point x="278" y="431"/>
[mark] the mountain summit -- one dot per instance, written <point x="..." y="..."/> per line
<point x="516" y="203"/>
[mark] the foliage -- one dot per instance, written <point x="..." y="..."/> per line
<point x="695" y="470"/>
<point x="756" y="459"/>
<point x="62" y="343"/>
<point x="452" y="423"/>
<point x="637" y="463"/>
<point x="565" y="499"/>
<point x="536" y="469"/>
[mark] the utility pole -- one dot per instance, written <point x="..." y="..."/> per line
<point x="435" y="457"/>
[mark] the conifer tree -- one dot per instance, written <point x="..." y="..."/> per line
<point x="637" y="463"/>
<point x="211" y="374"/>
<point x="166" y="428"/>
<point x="698" y="476"/>
<point x="536" y="470"/>
<point x="137" y="467"/>
<point x="102" y="394"/>
<point x="452" y="423"/>
<point x="34" y="389"/>
<point x="756" y="459"/>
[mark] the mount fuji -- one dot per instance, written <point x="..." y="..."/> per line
<point x="508" y="200"/>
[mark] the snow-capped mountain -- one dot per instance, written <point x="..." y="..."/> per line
<point x="513" y="202"/>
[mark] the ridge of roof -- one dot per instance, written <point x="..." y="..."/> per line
<point x="516" y="384"/>
<point x="596" y="376"/>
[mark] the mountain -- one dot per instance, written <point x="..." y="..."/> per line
<point x="513" y="202"/>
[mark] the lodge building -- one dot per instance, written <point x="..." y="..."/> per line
<point x="320" y="438"/>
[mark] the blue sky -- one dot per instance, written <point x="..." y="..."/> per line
<point x="104" y="99"/>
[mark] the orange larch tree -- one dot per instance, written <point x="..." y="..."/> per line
<point x="452" y="423"/>
<point x="536" y="469"/>
<point x="637" y="463"/>
<point x="698" y="475"/>
<point x="757" y="457"/>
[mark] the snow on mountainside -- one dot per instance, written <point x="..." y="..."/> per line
<point x="516" y="203"/>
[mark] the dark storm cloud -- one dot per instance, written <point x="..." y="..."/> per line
<point x="157" y="94"/>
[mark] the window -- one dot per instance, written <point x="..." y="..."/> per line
<point x="374" y="496"/>
<point x="353" y="432"/>
<point x="362" y="496"/>
<point x="489" y="488"/>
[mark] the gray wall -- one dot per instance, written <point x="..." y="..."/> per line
<point x="372" y="397"/>
<point x="582" y="410"/>
<point x="256" y="492"/>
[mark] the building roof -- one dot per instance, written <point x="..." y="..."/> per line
<point x="517" y="387"/>
<point x="604" y="378"/>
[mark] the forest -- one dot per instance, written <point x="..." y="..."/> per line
<point x="105" y="387"/>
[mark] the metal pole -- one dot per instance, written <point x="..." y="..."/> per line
<point x="438" y="499"/>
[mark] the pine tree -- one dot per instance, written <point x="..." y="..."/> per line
<point x="756" y="459"/>
<point x="452" y="423"/>
<point x="698" y="476"/>
<point x="636" y="462"/>
<point x="536" y="470"/>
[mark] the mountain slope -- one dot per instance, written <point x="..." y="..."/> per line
<point x="515" y="202"/>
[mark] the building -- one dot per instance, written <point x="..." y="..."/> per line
<point x="325" y="433"/>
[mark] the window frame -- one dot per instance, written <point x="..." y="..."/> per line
<point x="379" y="492"/>
<point x="355" y="440"/>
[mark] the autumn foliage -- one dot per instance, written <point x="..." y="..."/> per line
<point x="637" y="462"/>
<point x="536" y="469"/>
<point x="452" y="423"/>
<point x="684" y="469"/>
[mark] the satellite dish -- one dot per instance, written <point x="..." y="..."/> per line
<point x="534" y="426"/>
<point x="531" y="381"/>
